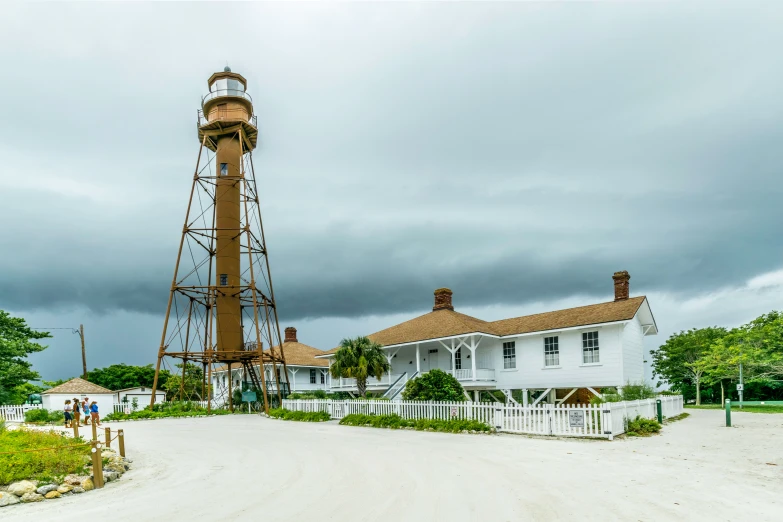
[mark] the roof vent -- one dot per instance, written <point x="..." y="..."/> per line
<point x="290" y="335"/>
<point x="443" y="299"/>
<point x="621" y="286"/>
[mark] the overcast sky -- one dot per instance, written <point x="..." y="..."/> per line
<point x="516" y="153"/>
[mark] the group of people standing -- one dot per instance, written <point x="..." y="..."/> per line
<point x="73" y="412"/>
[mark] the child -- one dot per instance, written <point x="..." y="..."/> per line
<point x="76" y="412"/>
<point x="67" y="413"/>
<point x="86" y="410"/>
<point x="94" y="413"/>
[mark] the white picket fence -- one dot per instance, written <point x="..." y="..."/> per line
<point x="15" y="412"/>
<point x="600" y="420"/>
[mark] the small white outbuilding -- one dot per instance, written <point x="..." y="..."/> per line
<point x="54" y="399"/>
<point x="142" y="394"/>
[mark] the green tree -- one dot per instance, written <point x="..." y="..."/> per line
<point x="121" y="376"/>
<point x="681" y="360"/>
<point x="435" y="385"/>
<point x="193" y="383"/>
<point x="359" y="358"/>
<point x="16" y="343"/>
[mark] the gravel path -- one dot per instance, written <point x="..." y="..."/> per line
<point x="252" y="468"/>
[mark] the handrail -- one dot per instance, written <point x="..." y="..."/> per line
<point x="236" y="93"/>
<point x="391" y="387"/>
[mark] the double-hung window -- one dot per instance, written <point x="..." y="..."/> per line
<point x="590" y="348"/>
<point x="323" y="377"/>
<point x="312" y="375"/>
<point x="458" y="359"/>
<point x="551" y="351"/>
<point x="509" y="355"/>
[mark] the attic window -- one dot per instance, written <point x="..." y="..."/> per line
<point x="224" y="169"/>
<point x="223" y="279"/>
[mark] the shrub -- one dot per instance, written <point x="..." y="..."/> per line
<point x="394" y="421"/>
<point x="641" y="427"/>
<point x="304" y="416"/>
<point x="435" y="385"/>
<point x="38" y="465"/>
<point x="36" y="415"/>
<point x="637" y="391"/>
<point x="56" y="416"/>
<point x="315" y="394"/>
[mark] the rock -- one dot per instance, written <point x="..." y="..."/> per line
<point x="65" y="489"/>
<point x="8" y="499"/>
<point x="77" y="490"/>
<point x="73" y="480"/>
<point x="88" y="485"/>
<point x="22" y="487"/>
<point x="53" y="494"/>
<point x="110" y="476"/>
<point x="32" y="497"/>
<point x="43" y="490"/>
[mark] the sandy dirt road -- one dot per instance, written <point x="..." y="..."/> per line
<point x="251" y="468"/>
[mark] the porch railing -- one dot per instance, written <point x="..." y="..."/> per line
<point x="349" y="382"/>
<point x="482" y="374"/>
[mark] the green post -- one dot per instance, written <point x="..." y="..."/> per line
<point x="728" y="413"/>
<point x="658" y="407"/>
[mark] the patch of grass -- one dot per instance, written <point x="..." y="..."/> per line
<point x="772" y="408"/>
<point x="39" y="465"/>
<point x="676" y="418"/>
<point x="395" y="422"/>
<point x="641" y="427"/>
<point x="304" y="416"/>
<point x="147" y="414"/>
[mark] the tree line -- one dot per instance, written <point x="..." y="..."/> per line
<point x="18" y="380"/>
<point x="705" y="362"/>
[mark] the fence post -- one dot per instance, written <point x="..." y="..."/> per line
<point x="728" y="413"/>
<point x="607" y="419"/>
<point x="121" y="442"/>
<point x="94" y="431"/>
<point x="659" y="411"/>
<point x="75" y="429"/>
<point x="97" y="464"/>
<point x="107" y="433"/>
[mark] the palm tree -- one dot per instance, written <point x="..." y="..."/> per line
<point x="359" y="358"/>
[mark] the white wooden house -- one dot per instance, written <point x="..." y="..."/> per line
<point x="54" y="399"/>
<point x="142" y="394"/>
<point x="305" y="371"/>
<point x="558" y="357"/>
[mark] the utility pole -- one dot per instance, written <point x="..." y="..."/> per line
<point x="84" y="356"/>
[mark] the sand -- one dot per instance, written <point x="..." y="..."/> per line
<point x="252" y="468"/>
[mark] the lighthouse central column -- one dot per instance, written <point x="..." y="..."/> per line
<point x="227" y="223"/>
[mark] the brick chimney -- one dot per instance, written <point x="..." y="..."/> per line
<point x="290" y="335"/>
<point x="621" y="285"/>
<point x="442" y="299"/>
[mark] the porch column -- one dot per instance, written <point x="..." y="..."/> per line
<point x="473" y="356"/>
<point x="453" y="359"/>
<point x="476" y="396"/>
<point x="293" y="378"/>
<point x="524" y="397"/>
<point x="418" y="359"/>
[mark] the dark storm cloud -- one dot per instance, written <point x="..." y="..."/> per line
<point x="511" y="152"/>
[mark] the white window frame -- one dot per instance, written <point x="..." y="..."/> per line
<point x="551" y="351"/>
<point x="590" y="348"/>
<point x="458" y="359"/>
<point x="510" y="357"/>
<point x="312" y="376"/>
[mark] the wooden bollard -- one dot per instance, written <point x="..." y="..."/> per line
<point x="75" y="430"/>
<point x="107" y="433"/>
<point x="97" y="464"/>
<point x="121" y="442"/>
<point x="94" y="431"/>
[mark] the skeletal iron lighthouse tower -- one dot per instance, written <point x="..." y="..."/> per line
<point x="221" y="308"/>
